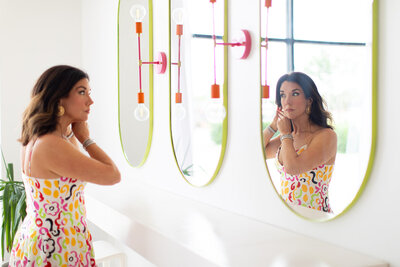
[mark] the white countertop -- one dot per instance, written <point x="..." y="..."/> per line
<point x="170" y="230"/>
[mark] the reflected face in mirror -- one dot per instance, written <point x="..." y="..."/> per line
<point x="305" y="149"/>
<point x="338" y="56"/>
<point x="293" y="100"/>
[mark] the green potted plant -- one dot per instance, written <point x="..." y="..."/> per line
<point x="13" y="199"/>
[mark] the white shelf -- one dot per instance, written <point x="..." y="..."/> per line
<point x="170" y="230"/>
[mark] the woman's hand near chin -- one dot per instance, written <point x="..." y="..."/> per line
<point x="81" y="130"/>
<point x="284" y="124"/>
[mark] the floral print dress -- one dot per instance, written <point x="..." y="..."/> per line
<point x="308" y="189"/>
<point x="54" y="232"/>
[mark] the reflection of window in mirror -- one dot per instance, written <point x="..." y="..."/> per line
<point x="308" y="36"/>
<point x="197" y="141"/>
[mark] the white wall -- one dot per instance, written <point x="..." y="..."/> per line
<point x="370" y="227"/>
<point x="34" y="35"/>
<point x="242" y="185"/>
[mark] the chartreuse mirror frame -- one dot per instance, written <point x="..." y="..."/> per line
<point x="373" y="134"/>
<point x="127" y="110"/>
<point x="224" y="93"/>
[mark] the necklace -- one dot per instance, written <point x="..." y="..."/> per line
<point x="69" y="135"/>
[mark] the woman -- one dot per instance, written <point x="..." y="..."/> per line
<point x="305" y="150"/>
<point x="55" y="171"/>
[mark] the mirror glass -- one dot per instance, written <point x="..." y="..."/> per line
<point x="135" y="134"/>
<point x="331" y="42"/>
<point x="197" y="127"/>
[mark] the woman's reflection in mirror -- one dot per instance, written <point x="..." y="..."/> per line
<point x="305" y="149"/>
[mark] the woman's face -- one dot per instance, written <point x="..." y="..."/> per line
<point x="77" y="104"/>
<point x="293" y="100"/>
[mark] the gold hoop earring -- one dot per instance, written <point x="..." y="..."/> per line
<point x="308" y="110"/>
<point x="61" y="111"/>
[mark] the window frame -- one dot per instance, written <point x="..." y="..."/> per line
<point x="290" y="40"/>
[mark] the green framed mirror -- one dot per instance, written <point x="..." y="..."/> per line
<point x="135" y="122"/>
<point x="198" y="122"/>
<point x="335" y="44"/>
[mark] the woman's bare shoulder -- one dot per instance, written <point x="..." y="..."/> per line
<point x="325" y="133"/>
<point x="50" y="142"/>
<point x="325" y="136"/>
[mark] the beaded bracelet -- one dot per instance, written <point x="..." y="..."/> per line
<point x="271" y="129"/>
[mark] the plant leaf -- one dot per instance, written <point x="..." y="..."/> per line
<point x="6" y="212"/>
<point x="11" y="170"/>
<point x="3" y="231"/>
<point x="5" y="165"/>
<point x="20" y="210"/>
<point x="13" y="197"/>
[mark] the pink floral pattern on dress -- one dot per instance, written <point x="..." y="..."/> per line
<point x="54" y="232"/>
<point x="308" y="189"/>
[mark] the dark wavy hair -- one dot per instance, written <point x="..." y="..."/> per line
<point x="318" y="115"/>
<point x="40" y="117"/>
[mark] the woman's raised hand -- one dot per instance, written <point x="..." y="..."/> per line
<point x="81" y="130"/>
<point x="284" y="124"/>
<point x="274" y="121"/>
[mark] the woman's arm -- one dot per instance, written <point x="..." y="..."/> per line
<point x="320" y="150"/>
<point x="271" y="146"/>
<point x="62" y="158"/>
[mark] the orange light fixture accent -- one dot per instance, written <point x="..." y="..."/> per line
<point x="268" y="3"/>
<point x="265" y="89"/>
<point x="139" y="27"/>
<point x="215" y="91"/>
<point x="179" y="29"/>
<point x="178" y="98"/>
<point x="140" y="97"/>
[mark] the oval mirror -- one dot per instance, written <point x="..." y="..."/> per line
<point x="197" y="67"/>
<point x="135" y="119"/>
<point x="339" y="55"/>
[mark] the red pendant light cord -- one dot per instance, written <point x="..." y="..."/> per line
<point x="215" y="44"/>
<point x="140" y="64"/>
<point x="266" y="45"/>
<point x="179" y="64"/>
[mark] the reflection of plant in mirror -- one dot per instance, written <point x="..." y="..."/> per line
<point x="341" y="95"/>
<point x="216" y="133"/>
<point x="334" y="71"/>
<point x="341" y="132"/>
<point x="188" y="171"/>
<point x="319" y="66"/>
<point x="265" y="125"/>
<point x="195" y="170"/>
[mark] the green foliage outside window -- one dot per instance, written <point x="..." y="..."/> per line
<point x="216" y="133"/>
